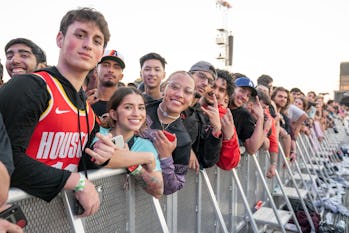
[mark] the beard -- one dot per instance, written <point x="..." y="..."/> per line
<point x="109" y="84"/>
<point x="197" y="95"/>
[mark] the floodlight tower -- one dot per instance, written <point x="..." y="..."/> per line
<point x="224" y="38"/>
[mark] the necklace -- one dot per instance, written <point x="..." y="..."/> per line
<point x="165" y="114"/>
<point x="164" y="126"/>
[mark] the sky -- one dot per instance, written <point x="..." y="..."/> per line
<point x="300" y="43"/>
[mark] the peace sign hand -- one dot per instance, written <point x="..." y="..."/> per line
<point x="213" y="115"/>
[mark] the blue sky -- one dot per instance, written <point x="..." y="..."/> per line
<point x="299" y="43"/>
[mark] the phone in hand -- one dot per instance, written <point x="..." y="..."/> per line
<point x="15" y="215"/>
<point x="77" y="207"/>
<point x="171" y="137"/>
<point x="119" y="141"/>
<point x="222" y="111"/>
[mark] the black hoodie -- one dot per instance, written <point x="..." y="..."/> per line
<point x="22" y="101"/>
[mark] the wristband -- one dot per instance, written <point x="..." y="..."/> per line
<point x="80" y="186"/>
<point x="135" y="170"/>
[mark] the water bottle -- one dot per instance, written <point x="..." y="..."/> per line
<point x="340" y="226"/>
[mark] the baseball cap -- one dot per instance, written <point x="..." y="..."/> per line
<point x="204" y="66"/>
<point x="246" y="82"/>
<point x="114" y="55"/>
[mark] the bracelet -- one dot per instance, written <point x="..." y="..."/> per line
<point x="80" y="186"/>
<point x="136" y="171"/>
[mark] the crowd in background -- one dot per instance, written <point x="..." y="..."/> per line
<point x="68" y="118"/>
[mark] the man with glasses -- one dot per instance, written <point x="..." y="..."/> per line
<point x="203" y="124"/>
<point x="163" y="117"/>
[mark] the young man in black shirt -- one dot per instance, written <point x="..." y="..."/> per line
<point x="248" y="128"/>
<point x="23" y="56"/>
<point x="203" y="122"/>
<point x="47" y="119"/>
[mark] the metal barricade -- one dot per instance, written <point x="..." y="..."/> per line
<point x="213" y="200"/>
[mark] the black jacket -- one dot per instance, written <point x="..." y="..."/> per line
<point x="5" y="148"/>
<point x="181" y="154"/>
<point x="206" y="146"/>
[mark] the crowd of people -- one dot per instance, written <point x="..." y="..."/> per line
<point x="60" y="121"/>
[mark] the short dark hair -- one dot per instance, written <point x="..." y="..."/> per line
<point x="295" y="89"/>
<point x="264" y="80"/>
<point x="151" y="56"/>
<point x="226" y="75"/>
<point x="37" y="51"/>
<point x="86" y="15"/>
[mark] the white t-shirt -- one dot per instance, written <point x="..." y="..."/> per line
<point x="294" y="113"/>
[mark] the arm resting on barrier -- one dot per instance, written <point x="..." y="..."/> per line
<point x="125" y="158"/>
<point x="87" y="195"/>
<point x="151" y="181"/>
<point x="173" y="175"/>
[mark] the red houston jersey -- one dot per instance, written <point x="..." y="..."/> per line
<point x="56" y="140"/>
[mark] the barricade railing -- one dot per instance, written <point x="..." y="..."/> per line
<point x="212" y="200"/>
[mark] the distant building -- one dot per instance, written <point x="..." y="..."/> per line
<point x="344" y="77"/>
<point x="343" y="82"/>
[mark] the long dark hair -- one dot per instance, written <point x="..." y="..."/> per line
<point x="116" y="100"/>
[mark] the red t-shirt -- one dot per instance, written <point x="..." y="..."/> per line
<point x="273" y="139"/>
<point x="230" y="152"/>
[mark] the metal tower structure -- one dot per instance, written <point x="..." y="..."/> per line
<point x="224" y="38"/>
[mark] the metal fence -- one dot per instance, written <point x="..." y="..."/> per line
<point x="209" y="202"/>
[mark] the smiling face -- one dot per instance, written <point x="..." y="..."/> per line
<point x="179" y="93"/>
<point x="220" y="91"/>
<point x="129" y="115"/>
<point x="81" y="48"/>
<point x="20" y="60"/>
<point x="241" y="96"/>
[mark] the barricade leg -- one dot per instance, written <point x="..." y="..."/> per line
<point x="306" y="211"/>
<point x="245" y="202"/>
